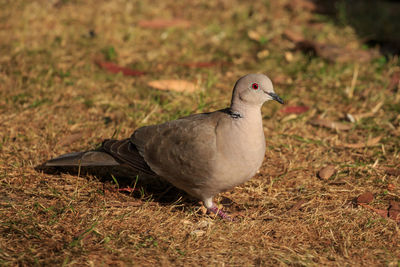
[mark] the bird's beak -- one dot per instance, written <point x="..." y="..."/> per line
<point x="275" y="97"/>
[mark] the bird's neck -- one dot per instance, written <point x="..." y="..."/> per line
<point x="246" y="111"/>
<point x="249" y="132"/>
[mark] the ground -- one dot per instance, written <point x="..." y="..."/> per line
<point x="58" y="94"/>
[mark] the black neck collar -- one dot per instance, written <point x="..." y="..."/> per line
<point x="235" y="114"/>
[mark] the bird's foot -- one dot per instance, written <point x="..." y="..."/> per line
<point x="219" y="212"/>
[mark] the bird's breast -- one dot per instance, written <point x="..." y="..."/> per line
<point x="241" y="155"/>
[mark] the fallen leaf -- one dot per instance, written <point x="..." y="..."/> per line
<point x="294" y="109"/>
<point x="326" y="172"/>
<point x="394" y="211"/>
<point x="331" y="124"/>
<point x="367" y="197"/>
<point x="66" y="141"/>
<point x="382" y="213"/>
<point x="394" y="81"/>
<point x="164" y="23"/>
<point x="263" y="54"/>
<point x="253" y="35"/>
<point x="114" y="68"/>
<point x="393" y="171"/>
<point x="370" y="142"/>
<point x="289" y="56"/>
<point x="173" y="85"/>
<point x="293" y="36"/>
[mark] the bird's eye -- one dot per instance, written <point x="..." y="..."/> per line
<point x="254" y="86"/>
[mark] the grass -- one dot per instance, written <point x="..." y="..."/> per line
<point x="54" y="99"/>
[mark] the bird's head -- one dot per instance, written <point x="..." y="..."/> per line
<point x="254" y="89"/>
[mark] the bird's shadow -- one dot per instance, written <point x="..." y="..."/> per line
<point x="141" y="186"/>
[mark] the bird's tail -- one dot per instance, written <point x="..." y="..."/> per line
<point x="98" y="163"/>
<point x="114" y="159"/>
<point x="117" y="157"/>
<point x="84" y="159"/>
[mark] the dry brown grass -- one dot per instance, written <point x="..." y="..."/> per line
<point x="50" y="89"/>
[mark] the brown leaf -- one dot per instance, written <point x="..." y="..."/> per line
<point x="367" y="197"/>
<point x="293" y="36"/>
<point x="370" y="142"/>
<point x="69" y="139"/>
<point x="289" y="56"/>
<point x="294" y="109"/>
<point x="394" y="81"/>
<point x="382" y="213"/>
<point x="114" y="68"/>
<point x="254" y="35"/>
<point x="263" y="54"/>
<point x="331" y="124"/>
<point x="395" y="205"/>
<point x="393" y="171"/>
<point x="173" y="85"/>
<point x="326" y="172"/>
<point x="394" y="211"/>
<point x="164" y="23"/>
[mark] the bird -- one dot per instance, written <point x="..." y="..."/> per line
<point x="202" y="154"/>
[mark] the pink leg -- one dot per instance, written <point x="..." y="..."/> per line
<point x="214" y="209"/>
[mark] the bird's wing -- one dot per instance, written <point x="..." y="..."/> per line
<point x="127" y="153"/>
<point x="181" y="151"/>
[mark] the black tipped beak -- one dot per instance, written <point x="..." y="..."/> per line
<point x="276" y="97"/>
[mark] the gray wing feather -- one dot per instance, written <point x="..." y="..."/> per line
<point x="182" y="151"/>
<point x="127" y="153"/>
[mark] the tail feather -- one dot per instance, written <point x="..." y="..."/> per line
<point x="87" y="158"/>
<point x="119" y="157"/>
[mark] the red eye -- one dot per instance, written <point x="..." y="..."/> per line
<point x="254" y="86"/>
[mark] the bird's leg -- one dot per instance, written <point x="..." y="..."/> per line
<point x="220" y="213"/>
<point x="211" y="207"/>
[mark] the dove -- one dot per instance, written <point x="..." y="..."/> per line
<point x="203" y="154"/>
